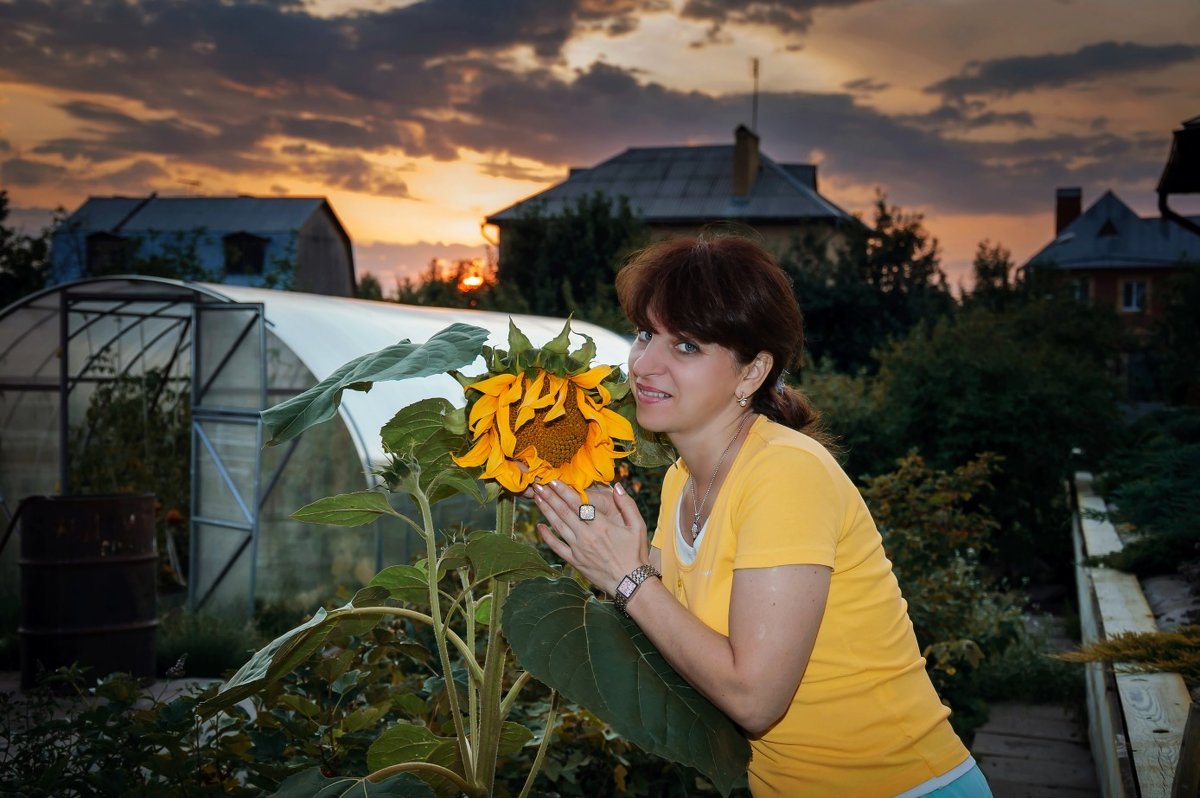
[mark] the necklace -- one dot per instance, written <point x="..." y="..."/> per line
<point x="697" y="509"/>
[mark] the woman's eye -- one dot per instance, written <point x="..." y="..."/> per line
<point x="644" y="336"/>
<point x="687" y="347"/>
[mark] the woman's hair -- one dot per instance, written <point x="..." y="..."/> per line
<point x="724" y="290"/>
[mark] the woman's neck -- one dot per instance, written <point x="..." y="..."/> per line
<point x="701" y="450"/>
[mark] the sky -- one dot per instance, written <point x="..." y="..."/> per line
<point x="419" y="119"/>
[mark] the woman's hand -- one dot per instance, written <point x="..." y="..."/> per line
<point x="604" y="549"/>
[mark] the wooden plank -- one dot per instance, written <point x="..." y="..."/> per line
<point x="1099" y="536"/>
<point x="1123" y="606"/>
<point x="990" y="743"/>
<point x="1187" y="775"/>
<point x="1066" y="730"/>
<point x="1156" y="709"/>
<point x="1034" y="771"/>
<point x="1002" y="788"/>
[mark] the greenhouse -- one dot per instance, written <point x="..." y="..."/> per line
<point x="100" y="378"/>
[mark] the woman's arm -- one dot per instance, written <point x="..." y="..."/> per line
<point x="774" y="614"/>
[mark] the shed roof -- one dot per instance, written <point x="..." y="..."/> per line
<point x="154" y="213"/>
<point x="1110" y="235"/>
<point x="688" y="184"/>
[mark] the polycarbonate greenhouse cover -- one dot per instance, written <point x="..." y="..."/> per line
<point x="325" y="332"/>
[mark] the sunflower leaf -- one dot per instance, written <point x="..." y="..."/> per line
<point x="497" y="556"/>
<point x="406" y="583"/>
<point x="581" y="359"/>
<point x="454" y="347"/>
<point x="650" y="449"/>
<point x="346" y="509"/>
<point x="312" y="783"/>
<point x="599" y="659"/>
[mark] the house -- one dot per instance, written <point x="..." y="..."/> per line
<point x="681" y="190"/>
<point x="1111" y="256"/>
<point x="282" y="242"/>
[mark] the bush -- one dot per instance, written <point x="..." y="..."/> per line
<point x="1150" y="483"/>
<point x="935" y="529"/>
<point x="208" y="645"/>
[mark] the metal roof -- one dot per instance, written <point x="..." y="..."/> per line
<point x="688" y="184"/>
<point x="1110" y="235"/>
<point x="154" y="213"/>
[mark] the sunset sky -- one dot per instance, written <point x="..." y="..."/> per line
<point x="417" y="119"/>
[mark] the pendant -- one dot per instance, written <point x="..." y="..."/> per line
<point x="695" y="531"/>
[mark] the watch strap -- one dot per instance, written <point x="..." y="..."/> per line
<point x="629" y="585"/>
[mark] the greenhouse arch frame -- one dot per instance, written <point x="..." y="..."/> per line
<point x="232" y="351"/>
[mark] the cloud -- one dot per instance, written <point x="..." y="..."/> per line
<point x="1000" y="77"/>
<point x="865" y="85"/>
<point x="786" y="16"/>
<point x="24" y="172"/>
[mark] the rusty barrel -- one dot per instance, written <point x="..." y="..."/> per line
<point x="88" y="566"/>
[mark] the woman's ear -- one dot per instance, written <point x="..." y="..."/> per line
<point x="756" y="371"/>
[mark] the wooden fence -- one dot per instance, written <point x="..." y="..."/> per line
<point x="1136" y="721"/>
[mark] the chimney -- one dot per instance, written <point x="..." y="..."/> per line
<point x="745" y="160"/>
<point x="1068" y="204"/>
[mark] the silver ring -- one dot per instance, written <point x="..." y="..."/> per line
<point x="587" y="512"/>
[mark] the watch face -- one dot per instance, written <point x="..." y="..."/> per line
<point x="626" y="587"/>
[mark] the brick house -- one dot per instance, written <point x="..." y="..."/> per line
<point x="681" y="190"/>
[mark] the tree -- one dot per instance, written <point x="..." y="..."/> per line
<point x="368" y="287"/>
<point x="1030" y="384"/>
<point x="1177" y="337"/>
<point x="883" y="280"/>
<point x="24" y="260"/>
<point x="996" y="282"/>
<point x="565" y="263"/>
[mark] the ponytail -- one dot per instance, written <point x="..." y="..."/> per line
<point x="788" y="406"/>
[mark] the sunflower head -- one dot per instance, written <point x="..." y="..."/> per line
<point x="546" y="413"/>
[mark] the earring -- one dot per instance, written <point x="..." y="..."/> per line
<point x="742" y="400"/>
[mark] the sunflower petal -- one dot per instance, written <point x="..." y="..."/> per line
<point x="494" y="386"/>
<point x="593" y="377"/>
<point x="560" y="403"/>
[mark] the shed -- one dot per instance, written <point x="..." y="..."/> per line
<point x="276" y="242"/>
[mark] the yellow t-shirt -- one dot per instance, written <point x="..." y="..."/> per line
<point x="865" y="720"/>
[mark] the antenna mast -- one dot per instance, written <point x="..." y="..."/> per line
<point x="754" y="104"/>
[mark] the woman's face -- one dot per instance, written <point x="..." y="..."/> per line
<point x="680" y="385"/>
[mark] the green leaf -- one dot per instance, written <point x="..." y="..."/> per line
<point x="452" y="348"/>
<point x="483" y="611"/>
<point x="283" y="654"/>
<point x="651" y="450"/>
<point x="452" y="557"/>
<point x="518" y="343"/>
<point x="346" y="509"/>
<point x="596" y="657"/>
<point x="404" y="742"/>
<point x="365" y="717"/>
<point x="406" y="583"/>
<point x="314" y="784"/>
<point x="513" y="737"/>
<point x="497" y="556"/>
<point x="562" y="342"/>
<point x="581" y="359"/>
<point x="417" y="426"/>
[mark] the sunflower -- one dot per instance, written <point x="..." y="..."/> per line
<point x="536" y="426"/>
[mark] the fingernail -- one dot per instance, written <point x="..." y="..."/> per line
<point x="617" y="487"/>
<point x="538" y="488"/>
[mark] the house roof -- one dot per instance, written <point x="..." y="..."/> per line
<point x="688" y="184"/>
<point x="154" y="213"/>
<point x="1110" y="235"/>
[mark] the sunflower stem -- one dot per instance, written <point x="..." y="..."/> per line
<point x="491" y="712"/>
<point x="439" y="633"/>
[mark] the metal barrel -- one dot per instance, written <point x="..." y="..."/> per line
<point x="89" y="566"/>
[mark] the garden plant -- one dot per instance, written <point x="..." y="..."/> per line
<point x="492" y="612"/>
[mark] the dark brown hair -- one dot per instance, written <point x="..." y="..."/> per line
<point x="724" y="290"/>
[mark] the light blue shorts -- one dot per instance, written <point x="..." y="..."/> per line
<point x="971" y="784"/>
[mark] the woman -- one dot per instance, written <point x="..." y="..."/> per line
<point x="766" y="585"/>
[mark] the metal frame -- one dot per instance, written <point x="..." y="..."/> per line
<point x="205" y="414"/>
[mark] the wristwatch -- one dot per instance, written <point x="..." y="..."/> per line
<point x="631" y="583"/>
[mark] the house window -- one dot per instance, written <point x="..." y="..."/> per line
<point x="1081" y="289"/>
<point x="108" y="253"/>
<point x="245" y="253"/>
<point x="1133" y="296"/>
